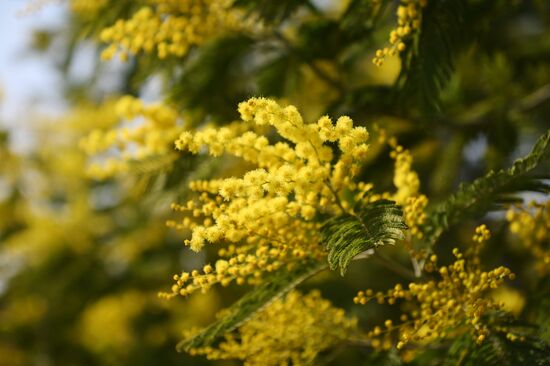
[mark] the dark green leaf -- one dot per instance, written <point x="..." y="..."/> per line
<point x="215" y="79"/>
<point x="269" y="10"/>
<point x="358" y="19"/>
<point x="430" y="62"/>
<point x="279" y="76"/>
<point x="376" y="224"/>
<point x="496" y="350"/>
<point x="487" y="192"/>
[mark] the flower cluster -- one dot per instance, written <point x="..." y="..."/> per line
<point x="455" y="298"/>
<point x="246" y="264"/>
<point x="408" y="185"/>
<point x="290" y="331"/>
<point x="409" y="19"/>
<point x="532" y="226"/>
<point x="270" y="210"/>
<point x="291" y="181"/>
<point x="106" y="324"/>
<point x="87" y="8"/>
<point x="169" y="27"/>
<point x="158" y="125"/>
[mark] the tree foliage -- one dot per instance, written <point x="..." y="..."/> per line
<point x="281" y="140"/>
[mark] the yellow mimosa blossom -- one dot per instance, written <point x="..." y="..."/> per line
<point x="87" y="8"/>
<point x="289" y="331"/>
<point x="457" y="297"/>
<point x="169" y="27"/>
<point x="157" y="127"/>
<point x="269" y="211"/>
<point x="409" y="20"/>
<point x="407" y="183"/>
<point x="532" y="225"/>
<point x="107" y="323"/>
<point x="294" y="179"/>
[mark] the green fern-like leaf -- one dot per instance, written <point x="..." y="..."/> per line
<point x="430" y="62"/>
<point x="215" y="79"/>
<point x="271" y="11"/>
<point x="375" y="224"/>
<point x="271" y="289"/>
<point x="358" y="18"/>
<point x="539" y="309"/>
<point x="488" y="192"/>
<point x="496" y="350"/>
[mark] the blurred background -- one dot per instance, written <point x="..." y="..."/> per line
<point x="66" y="292"/>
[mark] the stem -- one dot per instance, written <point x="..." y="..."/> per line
<point x="359" y="342"/>
<point x="364" y="255"/>
<point x="330" y="357"/>
<point x="417" y="266"/>
<point x="336" y="198"/>
<point x="388" y="263"/>
<point x="394" y="266"/>
<point x="535" y="99"/>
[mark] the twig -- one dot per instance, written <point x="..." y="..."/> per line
<point x="394" y="266"/>
<point x="336" y="198"/>
<point x="417" y="267"/>
<point x="534" y="99"/>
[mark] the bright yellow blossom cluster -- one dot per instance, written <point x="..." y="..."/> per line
<point x="86" y="116"/>
<point x="158" y="126"/>
<point x="269" y="210"/>
<point x="455" y="298"/>
<point x="87" y="8"/>
<point x="169" y="27"/>
<point x="405" y="179"/>
<point x="408" y="185"/>
<point x="289" y="331"/>
<point x="294" y="179"/>
<point x="246" y="264"/>
<point x="409" y="19"/>
<point x="532" y="226"/>
<point x="105" y="325"/>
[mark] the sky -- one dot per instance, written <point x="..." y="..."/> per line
<point x="30" y="85"/>
<point x="28" y="80"/>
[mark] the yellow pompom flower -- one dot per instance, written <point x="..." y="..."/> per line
<point x="126" y="142"/>
<point x="457" y="298"/>
<point x="169" y="27"/>
<point x="87" y="8"/>
<point x="105" y="325"/>
<point x="289" y="331"/>
<point x="409" y="20"/>
<point x="407" y="183"/>
<point x="268" y="213"/>
<point x="532" y="225"/>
